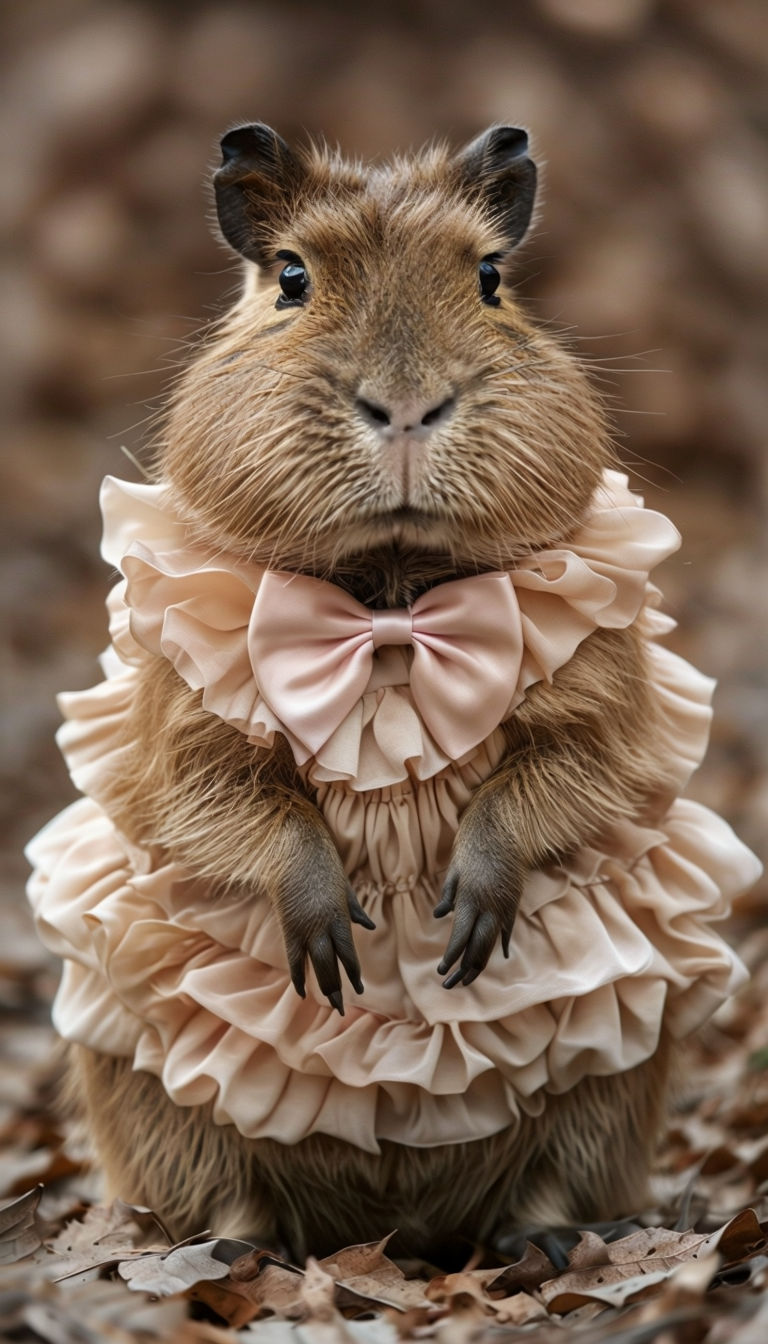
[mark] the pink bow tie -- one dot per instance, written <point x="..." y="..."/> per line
<point x="312" y="646"/>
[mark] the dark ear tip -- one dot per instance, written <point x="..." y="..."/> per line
<point x="509" y="141"/>
<point x="244" y="140"/>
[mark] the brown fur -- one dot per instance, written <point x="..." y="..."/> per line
<point x="585" y="1159"/>
<point x="267" y="454"/>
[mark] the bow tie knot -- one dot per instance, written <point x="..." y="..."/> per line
<point x="312" y="650"/>
<point x="391" y="627"/>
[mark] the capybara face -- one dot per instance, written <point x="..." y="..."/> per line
<point x="377" y="386"/>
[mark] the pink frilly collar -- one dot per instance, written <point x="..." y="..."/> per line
<point x="369" y="697"/>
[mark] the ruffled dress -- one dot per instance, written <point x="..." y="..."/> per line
<point x="195" y="989"/>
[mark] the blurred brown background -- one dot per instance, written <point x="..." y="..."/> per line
<point x="650" y="253"/>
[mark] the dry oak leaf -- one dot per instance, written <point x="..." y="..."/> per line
<point x="145" y="1219"/>
<point x="467" y="1292"/>
<point x="357" y="1277"/>
<point x="18" y="1230"/>
<point x="199" y="1270"/>
<point x="519" y="1309"/>
<point x="462" y="1289"/>
<point x="365" y="1277"/>
<point x="106" y="1236"/>
<point x="182" y="1267"/>
<point x="257" y="1282"/>
<point x="686" y="1281"/>
<point x="360" y="1277"/>
<point x="464" y="1303"/>
<point x="233" y="1302"/>
<point x="636" y="1265"/>
<point x="532" y="1269"/>
<point x="494" y="1289"/>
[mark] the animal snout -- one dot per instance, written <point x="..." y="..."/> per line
<point x="405" y="416"/>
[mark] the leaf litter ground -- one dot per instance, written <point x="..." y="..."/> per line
<point x="694" y="1269"/>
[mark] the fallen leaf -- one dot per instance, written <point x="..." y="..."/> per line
<point x="103" y="1225"/>
<point x="100" y="1260"/>
<point x="649" y="1256"/>
<point x="718" y="1159"/>
<point x="229" y="1300"/>
<point x="253" y="1263"/>
<point x="273" y="1289"/>
<point x="102" y="1239"/>
<point x="532" y="1269"/>
<point x="416" y="1323"/>
<point x="366" y="1277"/>
<point x="95" y="1313"/>
<point x="519" y="1309"/>
<point x="18" y="1231"/>
<point x="740" y="1236"/>
<point x="173" y="1271"/>
<point x="267" y="1283"/>
<point x="144" y="1218"/>
<point x="589" y="1250"/>
<point x="318" y="1292"/>
<point x="367" y="1292"/>
<point x="469" y="1290"/>
<point x="358" y="1259"/>
<point x="43" y="1166"/>
<point x="463" y="1288"/>
<point x="693" y="1278"/>
<point x="561" y="1298"/>
<point x="47" y="1323"/>
<point x="639" y="1263"/>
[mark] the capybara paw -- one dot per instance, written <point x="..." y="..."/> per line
<point x="481" y="915"/>
<point x="320" y="929"/>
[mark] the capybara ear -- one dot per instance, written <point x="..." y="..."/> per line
<point x="496" y="165"/>
<point x="258" y="179"/>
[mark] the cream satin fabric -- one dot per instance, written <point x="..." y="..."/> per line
<point x="312" y="648"/>
<point x="606" y="947"/>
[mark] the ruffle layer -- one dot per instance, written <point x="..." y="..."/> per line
<point x="197" y="609"/>
<point x="399" y="832"/>
<point x="198" y="992"/>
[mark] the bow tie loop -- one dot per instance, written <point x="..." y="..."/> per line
<point x="312" y="648"/>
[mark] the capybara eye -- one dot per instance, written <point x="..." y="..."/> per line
<point x="490" y="280"/>
<point x="293" y="280"/>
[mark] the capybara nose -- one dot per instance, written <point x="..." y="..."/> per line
<point x="404" y="417"/>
